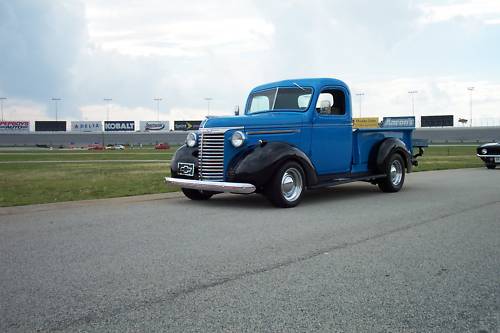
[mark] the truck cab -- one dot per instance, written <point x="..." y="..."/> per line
<point x="294" y="135"/>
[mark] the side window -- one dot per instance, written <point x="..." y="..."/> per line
<point x="331" y="102"/>
<point x="260" y="103"/>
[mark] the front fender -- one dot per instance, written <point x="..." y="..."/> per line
<point x="184" y="154"/>
<point x="388" y="147"/>
<point x="257" y="164"/>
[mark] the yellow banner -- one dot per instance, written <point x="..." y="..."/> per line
<point x="371" y="122"/>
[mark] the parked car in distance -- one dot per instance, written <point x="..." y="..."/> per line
<point x="95" y="146"/>
<point x="294" y="135"/>
<point x="162" y="146"/>
<point x="115" y="147"/>
<point x="490" y="154"/>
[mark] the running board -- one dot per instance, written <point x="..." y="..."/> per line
<point x="345" y="180"/>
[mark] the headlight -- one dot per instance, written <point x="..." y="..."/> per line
<point x="191" y="139"/>
<point x="484" y="151"/>
<point x="238" y="139"/>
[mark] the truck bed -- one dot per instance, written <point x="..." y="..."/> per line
<point x="364" y="139"/>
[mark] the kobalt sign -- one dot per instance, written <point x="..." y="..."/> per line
<point x="14" y="126"/>
<point x="154" y="126"/>
<point x="119" y="126"/>
<point x="86" y="126"/>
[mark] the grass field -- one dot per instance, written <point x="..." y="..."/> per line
<point x="448" y="157"/>
<point x="42" y="176"/>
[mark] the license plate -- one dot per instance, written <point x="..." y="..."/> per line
<point x="185" y="169"/>
<point x="497" y="159"/>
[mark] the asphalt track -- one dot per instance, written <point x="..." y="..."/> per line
<point x="347" y="259"/>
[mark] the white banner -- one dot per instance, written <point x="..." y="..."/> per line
<point x="86" y="126"/>
<point x="14" y="126"/>
<point x="154" y="126"/>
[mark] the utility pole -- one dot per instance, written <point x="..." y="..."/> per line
<point x="470" y="89"/>
<point x="360" y="101"/>
<point x="2" y="99"/>
<point x="157" y="99"/>
<point x="56" y="100"/>
<point x="107" y="100"/>
<point x="208" y="99"/>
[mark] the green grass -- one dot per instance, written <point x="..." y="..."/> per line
<point x="24" y="184"/>
<point x="29" y="183"/>
<point x="448" y="157"/>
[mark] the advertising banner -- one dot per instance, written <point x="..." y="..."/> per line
<point x="119" y="126"/>
<point x="154" y="126"/>
<point x="367" y="122"/>
<point x="14" y="126"/>
<point x="50" y="126"/>
<point x="187" y="125"/>
<point x="398" y="122"/>
<point x="436" y="121"/>
<point x="86" y="126"/>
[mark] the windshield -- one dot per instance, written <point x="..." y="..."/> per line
<point x="280" y="99"/>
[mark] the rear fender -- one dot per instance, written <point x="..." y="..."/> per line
<point x="387" y="148"/>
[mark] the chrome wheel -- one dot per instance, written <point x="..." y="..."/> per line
<point x="291" y="184"/>
<point x="396" y="172"/>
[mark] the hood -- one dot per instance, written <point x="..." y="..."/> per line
<point x="259" y="120"/>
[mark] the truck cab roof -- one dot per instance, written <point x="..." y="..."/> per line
<point x="315" y="83"/>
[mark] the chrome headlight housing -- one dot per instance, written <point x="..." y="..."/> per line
<point x="484" y="151"/>
<point x="192" y="139"/>
<point x="237" y="139"/>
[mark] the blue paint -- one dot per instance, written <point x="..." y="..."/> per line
<point x="327" y="139"/>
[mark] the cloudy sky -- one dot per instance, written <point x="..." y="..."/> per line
<point x="183" y="51"/>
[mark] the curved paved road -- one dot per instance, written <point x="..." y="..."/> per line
<point x="350" y="258"/>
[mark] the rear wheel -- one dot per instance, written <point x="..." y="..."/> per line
<point x="491" y="166"/>
<point x="287" y="186"/>
<point x="197" y="194"/>
<point x="395" y="171"/>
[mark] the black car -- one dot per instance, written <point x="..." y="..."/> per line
<point x="490" y="154"/>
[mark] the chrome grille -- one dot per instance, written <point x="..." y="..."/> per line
<point x="211" y="156"/>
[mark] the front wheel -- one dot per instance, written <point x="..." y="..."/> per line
<point x="395" y="171"/>
<point x="491" y="166"/>
<point x="287" y="186"/>
<point x="197" y="194"/>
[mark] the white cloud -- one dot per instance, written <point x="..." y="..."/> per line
<point x="486" y="11"/>
<point x="184" y="30"/>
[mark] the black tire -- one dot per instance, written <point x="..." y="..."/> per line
<point x="197" y="194"/>
<point x="286" y="186"/>
<point x="395" y="170"/>
<point x="491" y="166"/>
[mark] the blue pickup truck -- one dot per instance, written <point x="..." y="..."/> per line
<point x="294" y="135"/>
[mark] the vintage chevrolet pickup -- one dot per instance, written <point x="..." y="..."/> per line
<point x="294" y="135"/>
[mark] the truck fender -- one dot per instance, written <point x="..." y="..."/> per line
<point x="184" y="154"/>
<point x="388" y="147"/>
<point x="259" y="163"/>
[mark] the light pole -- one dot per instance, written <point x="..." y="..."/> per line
<point x="470" y="89"/>
<point x="157" y="107"/>
<point x="208" y="99"/>
<point x="360" y="101"/>
<point x="1" y="104"/>
<point x="56" y="100"/>
<point x="107" y="100"/>
<point x="412" y="94"/>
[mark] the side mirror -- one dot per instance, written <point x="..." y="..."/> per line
<point x="237" y="110"/>
<point x="325" y="107"/>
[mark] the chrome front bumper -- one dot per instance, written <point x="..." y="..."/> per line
<point x="490" y="156"/>
<point x="241" y="188"/>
